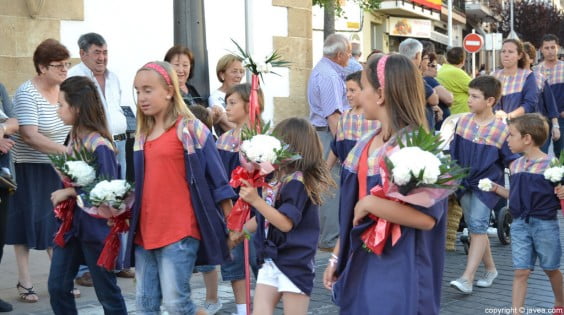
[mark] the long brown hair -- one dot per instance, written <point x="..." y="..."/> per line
<point x="82" y="96"/>
<point x="300" y="135"/>
<point x="177" y="107"/>
<point x="404" y="96"/>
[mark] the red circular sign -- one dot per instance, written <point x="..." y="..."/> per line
<point x="472" y="43"/>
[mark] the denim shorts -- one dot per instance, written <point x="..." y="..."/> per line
<point x="204" y="268"/>
<point x="476" y="213"/>
<point x="235" y="269"/>
<point x="538" y="238"/>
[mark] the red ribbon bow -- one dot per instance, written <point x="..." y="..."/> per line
<point x="238" y="215"/>
<point x="64" y="211"/>
<point x="112" y="243"/>
<point x="376" y="235"/>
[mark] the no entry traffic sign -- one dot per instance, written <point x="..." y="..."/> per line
<point x="473" y="43"/>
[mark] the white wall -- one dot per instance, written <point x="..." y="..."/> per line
<point x="137" y="31"/>
<point x="225" y="20"/>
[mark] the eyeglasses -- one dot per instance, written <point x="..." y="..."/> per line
<point x="65" y="65"/>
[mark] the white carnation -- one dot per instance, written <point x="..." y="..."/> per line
<point x="485" y="184"/>
<point x="554" y="174"/>
<point x="264" y="67"/>
<point x="81" y="173"/>
<point x="413" y="160"/>
<point x="110" y="191"/>
<point x="261" y="148"/>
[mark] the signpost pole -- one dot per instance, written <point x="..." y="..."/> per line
<point x="473" y="60"/>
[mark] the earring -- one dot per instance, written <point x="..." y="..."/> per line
<point x="168" y="97"/>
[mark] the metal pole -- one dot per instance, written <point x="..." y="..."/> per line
<point x="473" y="60"/>
<point x="449" y="19"/>
<point x="511" y="15"/>
<point x="249" y="31"/>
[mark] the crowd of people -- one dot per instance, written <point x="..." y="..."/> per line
<point x="186" y="146"/>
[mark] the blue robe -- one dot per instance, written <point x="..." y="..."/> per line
<point x="530" y="194"/>
<point x="484" y="151"/>
<point x="406" y="278"/>
<point x="208" y="187"/>
<point x="293" y="252"/>
<point x="350" y="128"/>
<point x="519" y="90"/>
<point x="555" y="78"/>
<point x="84" y="226"/>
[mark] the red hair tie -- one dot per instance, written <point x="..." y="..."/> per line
<point x="161" y="70"/>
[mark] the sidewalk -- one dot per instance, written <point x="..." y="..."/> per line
<point x="482" y="301"/>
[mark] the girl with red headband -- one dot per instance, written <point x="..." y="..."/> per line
<point x="405" y="278"/>
<point x="179" y="176"/>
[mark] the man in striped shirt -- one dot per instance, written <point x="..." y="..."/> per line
<point x="327" y="98"/>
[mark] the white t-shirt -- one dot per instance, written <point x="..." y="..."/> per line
<point x="111" y="99"/>
<point x="32" y="109"/>
<point x="217" y="98"/>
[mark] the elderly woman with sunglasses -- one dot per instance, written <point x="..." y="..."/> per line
<point x="31" y="221"/>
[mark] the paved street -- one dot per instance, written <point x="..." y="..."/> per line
<point x="482" y="301"/>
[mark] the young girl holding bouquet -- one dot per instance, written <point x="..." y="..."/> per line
<point x="406" y="278"/>
<point x="237" y="110"/>
<point x="287" y="222"/>
<point x="80" y="107"/>
<point x="182" y="195"/>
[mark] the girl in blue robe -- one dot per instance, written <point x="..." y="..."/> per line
<point x="406" y="278"/>
<point x="81" y="107"/>
<point x="287" y="222"/>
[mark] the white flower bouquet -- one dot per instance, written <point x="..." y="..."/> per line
<point x="75" y="169"/>
<point x="112" y="200"/>
<point x="414" y="172"/>
<point x="260" y="154"/>
<point x="555" y="174"/>
<point x="258" y="66"/>
<point x="109" y="198"/>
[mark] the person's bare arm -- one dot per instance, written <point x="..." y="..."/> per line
<point x="332" y="121"/>
<point x="39" y="142"/>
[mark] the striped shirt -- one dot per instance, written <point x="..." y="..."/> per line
<point x="32" y="109"/>
<point x="326" y="91"/>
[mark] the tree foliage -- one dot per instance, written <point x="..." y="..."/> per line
<point x="366" y="5"/>
<point x="532" y="19"/>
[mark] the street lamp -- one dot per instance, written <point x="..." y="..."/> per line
<point x="512" y="34"/>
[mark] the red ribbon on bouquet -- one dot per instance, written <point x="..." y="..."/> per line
<point x="377" y="234"/>
<point x="64" y="211"/>
<point x="241" y="209"/>
<point x="254" y="109"/>
<point x="112" y="243"/>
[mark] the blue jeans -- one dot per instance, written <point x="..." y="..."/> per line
<point x="64" y="266"/>
<point x="164" y="274"/>
<point x="476" y="213"/>
<point x="538" y="238"/>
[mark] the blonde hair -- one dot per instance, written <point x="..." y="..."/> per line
<point x="177" y="107"/>
<point x="223" y="63"/>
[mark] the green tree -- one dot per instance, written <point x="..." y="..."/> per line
<point x="332" y="8"/>
<point x="532" y="20"/>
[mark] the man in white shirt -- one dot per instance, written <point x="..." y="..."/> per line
<point x="94" y="57"/>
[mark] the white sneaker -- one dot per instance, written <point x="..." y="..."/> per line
<point x="213" y="308"/>
<point x="462" y="285"/>
<point x="487" y="280"/>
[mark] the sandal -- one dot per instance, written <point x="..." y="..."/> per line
<point x="29" y="292"/>
<point x="75" y="292"/>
